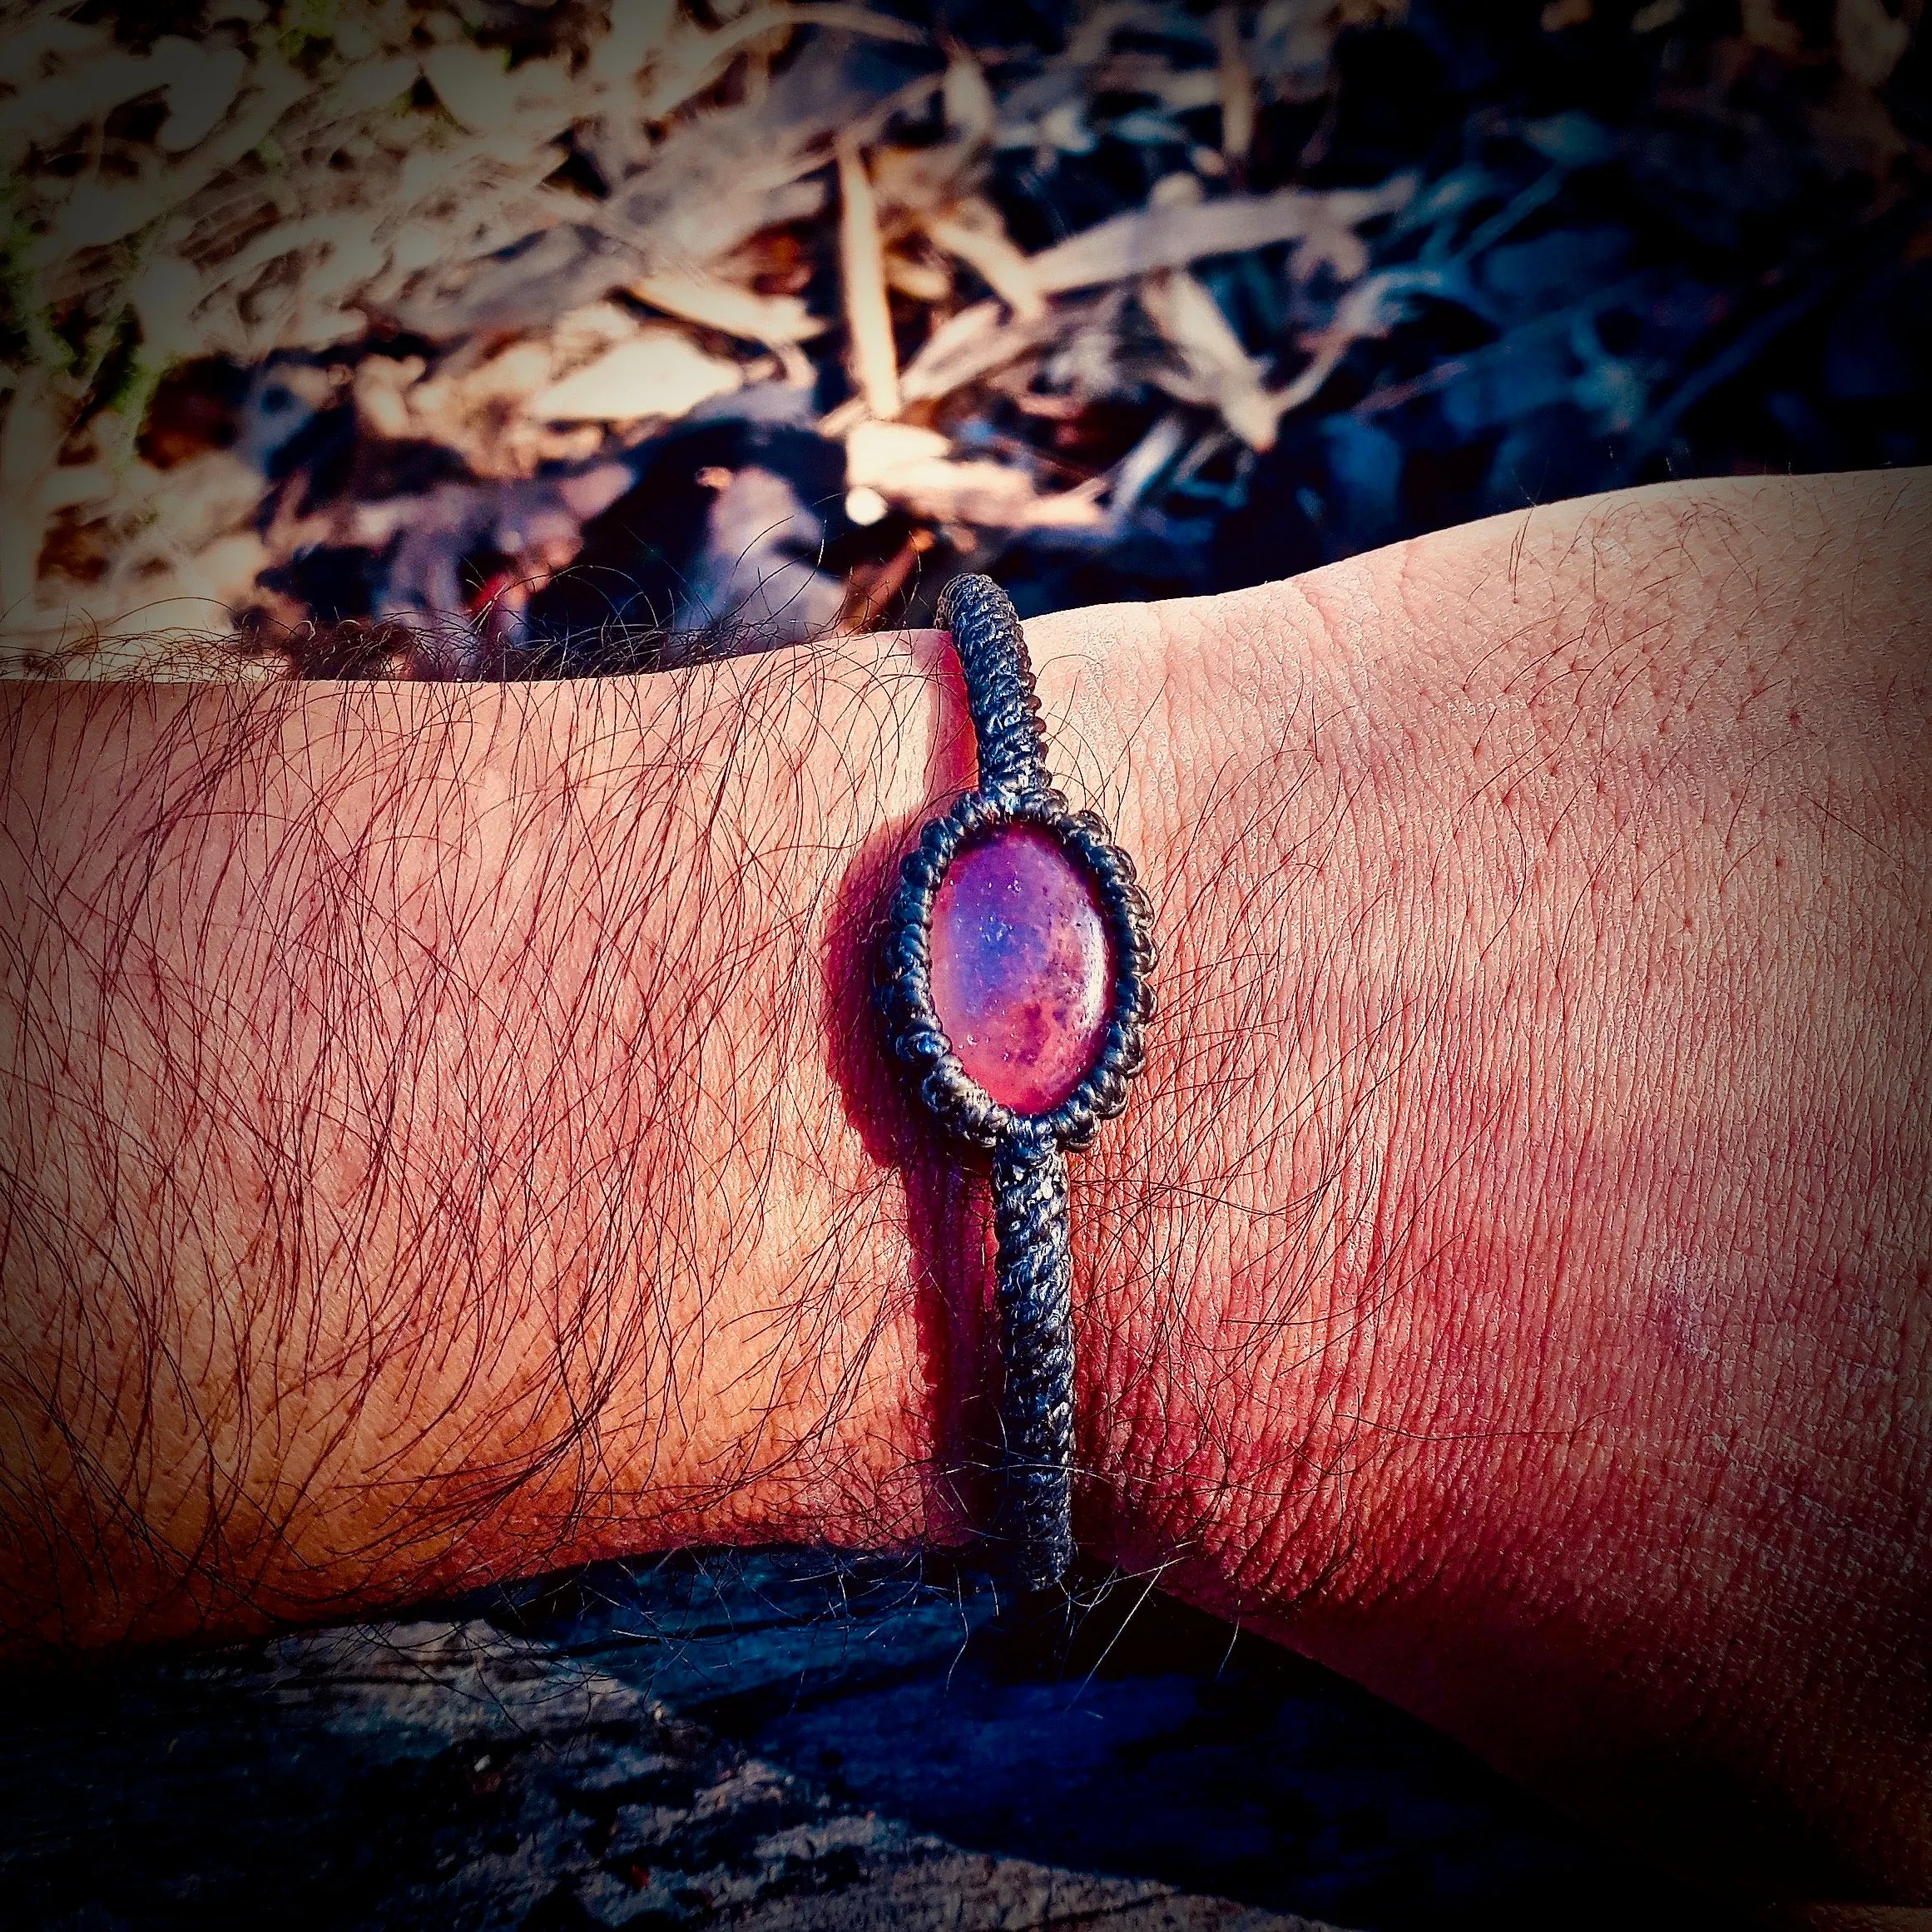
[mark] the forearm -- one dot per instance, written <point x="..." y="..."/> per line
<point x="457" y="1145"/>
<point x="1521" y="1299"/>
<point x="427" y="1158"/>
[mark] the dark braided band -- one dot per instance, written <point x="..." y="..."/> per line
<point x="999" y="685"/>
<point x="1035" y="1273"/>
<point x="1034" y="1269"/>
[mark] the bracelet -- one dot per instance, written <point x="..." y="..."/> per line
<point x="1014" y="988"/>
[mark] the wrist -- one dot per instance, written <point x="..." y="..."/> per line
<point x="1481" y="1299"/>
<point x="1230" y="1242"/>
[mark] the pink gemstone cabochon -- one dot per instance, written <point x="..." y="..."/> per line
<point x="1022" y="967"/>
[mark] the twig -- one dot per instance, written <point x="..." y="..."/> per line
<point x="1237" y="88"/>
<point x="862" y="263"/>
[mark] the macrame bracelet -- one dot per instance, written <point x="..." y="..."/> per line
<point x="1014" y="988"/>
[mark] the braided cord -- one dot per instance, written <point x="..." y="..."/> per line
<point x="999" y="685"/>
<point x="1033" y="1274"/>
<point x="1034" y="1284"/>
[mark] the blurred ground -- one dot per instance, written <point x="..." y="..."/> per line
<point x="584" y="334"/>
<point x="771" y="1741"/>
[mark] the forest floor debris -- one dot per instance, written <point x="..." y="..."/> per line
<point x="460" y="338"/>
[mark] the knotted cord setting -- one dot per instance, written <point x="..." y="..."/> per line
<point x="1048" y="961"/>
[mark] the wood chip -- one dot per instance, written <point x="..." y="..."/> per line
<point x="862" y="263"/>
<point x="714" y="303"/>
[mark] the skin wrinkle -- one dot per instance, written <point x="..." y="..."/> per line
<point x="1455" y="851"/>
<point x="1653" y="788"/>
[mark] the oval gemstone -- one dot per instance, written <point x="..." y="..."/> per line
<point x="1022" y="967"/>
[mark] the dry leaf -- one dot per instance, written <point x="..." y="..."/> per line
<point x="1152" y="239"/>
<point x="1870" y="42"/>
<point x="1560" y="16"/>
<point x="874" y="451"/>
<point x="691" y="60"/>
<point x="381" y="390"/>
<point x="637" y="28"/>
<point x="440" y="228"/>
<point x="485" y="94"/>
<point x="972" y="113"/>
<point x="586" y="333"/>
<point x="1216" y="370"/>
<point x="914" y="468"/>
<point x="661" y="372"/>
<point x="188" y="557"/>
<point x="969" y="345"/>
<point x="973" y="232"/>
<point x="1092" y="40"/>
<point x="1765" y="25"/>
<point x="30" y="432"/>
<point x="370" y="84"/>
<point x="1236" y="85"/>
<point x="200" y="84"/>
<point x="989" y="494"/>
<point x="1370" y="309"/>
<point x="924" y="281"/>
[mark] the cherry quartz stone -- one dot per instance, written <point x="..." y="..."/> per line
<point x="1022" y="967"/>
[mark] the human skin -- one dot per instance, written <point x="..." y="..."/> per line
<point x="444" y="1137"/>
